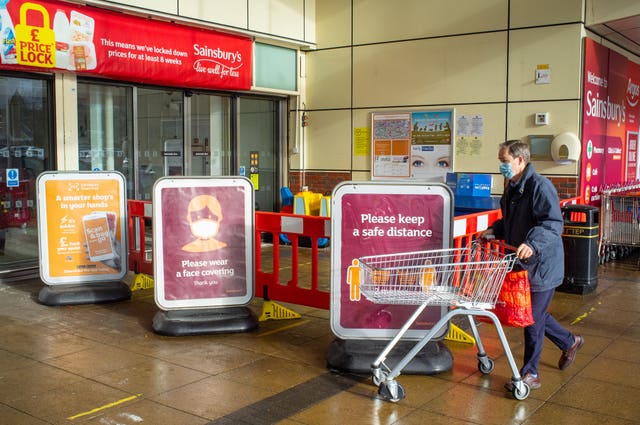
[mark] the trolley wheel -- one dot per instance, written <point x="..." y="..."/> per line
<point x="391" y="391"/>
<point x="378" y="376"/>
<point x="486" y="365"/>
<point x="521" y="395"/>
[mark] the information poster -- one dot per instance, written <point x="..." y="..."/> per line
<point x="203" y="242"/>
<point x="412" y="145"/>
<point x="81" y="227"/>
<point x="378" y="219"/>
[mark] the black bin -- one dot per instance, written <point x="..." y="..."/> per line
<point x="580" y="240"/>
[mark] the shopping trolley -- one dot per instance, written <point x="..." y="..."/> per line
<point x="468" y="279"/>
<point x="620" y="229"/>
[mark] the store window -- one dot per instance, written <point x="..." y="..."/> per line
<point x="105" y="130"/>
<point x="25" y="151"/>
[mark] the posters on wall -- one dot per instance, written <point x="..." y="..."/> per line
<point x="610" y="120"/>
<point x="412" y="145"/>
<point x="469" y="135"/>
<point x="84" y="39"/>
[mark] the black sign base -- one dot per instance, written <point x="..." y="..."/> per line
<point x="84" y="293"/>
<point x="356" y="356"/>
<point x="204" y="321"/>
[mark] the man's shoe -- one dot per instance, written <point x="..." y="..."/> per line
<point x="567" y="357"/>
<point x="532" y="381"/>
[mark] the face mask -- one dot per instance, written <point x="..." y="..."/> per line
<point x="204" y="229"/>
<point x="506" y="170"/>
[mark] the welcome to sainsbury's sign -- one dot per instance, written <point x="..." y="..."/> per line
<point x="84" y="39"/>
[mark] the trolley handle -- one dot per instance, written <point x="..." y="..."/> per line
<point x="492" y="239"/>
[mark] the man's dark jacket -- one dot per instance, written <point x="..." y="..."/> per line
<point x="531" y="214"/>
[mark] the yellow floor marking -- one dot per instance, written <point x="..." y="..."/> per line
<point x="284" y="328"/>
<point x="582" y="316"/>
<point x="106" y="406"/>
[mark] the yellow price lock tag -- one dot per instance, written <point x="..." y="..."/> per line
<point x="35" y="46"/>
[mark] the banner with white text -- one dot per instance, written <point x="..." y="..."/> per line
<point x="53" y="35"/>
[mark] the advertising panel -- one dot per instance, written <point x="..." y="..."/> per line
<point x="594" y="122"/>
<point x="81" y="227"/>
<point x="632" y="99"/>
<point x="610" y="120"/>
<point x="377" y="219"/>
<point x="632" y="156"/>
<point x="203" y="242"/>
<point x="84" y="39"/>
<point x="616" y="119"/>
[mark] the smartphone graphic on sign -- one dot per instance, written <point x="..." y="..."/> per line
<point x="99" y="236"/>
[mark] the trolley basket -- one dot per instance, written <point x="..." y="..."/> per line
<point x="469" y="277"/>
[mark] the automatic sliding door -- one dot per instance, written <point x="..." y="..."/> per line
<point x="258" y="148"/>
<point x="210" y="135"/>
<point x="160" y="152"/>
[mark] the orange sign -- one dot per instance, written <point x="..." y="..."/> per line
<point x="81" y="226"/>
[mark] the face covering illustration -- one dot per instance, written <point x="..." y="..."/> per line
<point x="204" y="215"/>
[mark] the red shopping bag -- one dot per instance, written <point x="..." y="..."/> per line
<point x="513" y="307"/>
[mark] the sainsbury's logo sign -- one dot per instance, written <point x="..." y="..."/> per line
<point x="633" y="93"/>
<point x="216" y="61"/>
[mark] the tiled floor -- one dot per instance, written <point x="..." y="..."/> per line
<point x="103" y="364"/>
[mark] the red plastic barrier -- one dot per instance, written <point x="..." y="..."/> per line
<point x="293" y="226"/>
<point x="139" y="214"/>
<point x="466" y="227"/>
<point x="576" y="200"/>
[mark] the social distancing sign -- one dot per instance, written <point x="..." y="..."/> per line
<point x="377" y="219"/>
<point x="81" y="227"/>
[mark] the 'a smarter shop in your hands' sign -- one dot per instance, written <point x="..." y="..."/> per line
<point x="81" y="227"/>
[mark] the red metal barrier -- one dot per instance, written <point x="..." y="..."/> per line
<point x="139" y="215"/>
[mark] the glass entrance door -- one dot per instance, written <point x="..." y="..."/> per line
<point x="25" y="152"/>
<point x="258" y="151"/>
<point x="160" y="150"/>
<point x="166" y="118"/>
<point x="210" y="149"/>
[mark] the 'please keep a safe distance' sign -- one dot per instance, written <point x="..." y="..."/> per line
<point x="374" y="219"/>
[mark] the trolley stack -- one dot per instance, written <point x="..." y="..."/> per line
<point x="468" y="279"/>
<point x="620" y="221"/>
